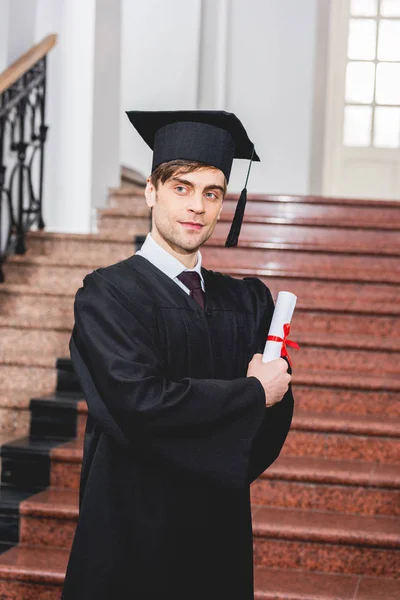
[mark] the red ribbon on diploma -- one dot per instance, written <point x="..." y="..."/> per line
<point x="285" y="341"/>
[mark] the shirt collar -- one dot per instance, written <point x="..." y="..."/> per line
<point x="162" y="259"/>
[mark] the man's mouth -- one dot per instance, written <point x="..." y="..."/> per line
<point x="192" y="225"/>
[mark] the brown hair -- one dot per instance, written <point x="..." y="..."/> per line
<point x="166" y="170"/>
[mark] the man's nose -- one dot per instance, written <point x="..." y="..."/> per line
<point x="196" y="203"/>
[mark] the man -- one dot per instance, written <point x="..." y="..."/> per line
<point x="182" y="413"/>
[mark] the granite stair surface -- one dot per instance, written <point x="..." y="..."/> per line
<point x="326" y="514"/>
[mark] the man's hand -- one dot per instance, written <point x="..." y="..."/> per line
<point x="272" y="375"/>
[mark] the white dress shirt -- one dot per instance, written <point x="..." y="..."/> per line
<point x="167" y="263"/>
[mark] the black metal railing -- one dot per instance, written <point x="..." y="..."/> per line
<point x="22" y="141"/>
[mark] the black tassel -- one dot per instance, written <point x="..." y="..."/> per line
<point x="234" y="231"/>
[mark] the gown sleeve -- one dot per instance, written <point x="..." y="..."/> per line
<point x="201" y="427"/>
<point x="273" y="431"/>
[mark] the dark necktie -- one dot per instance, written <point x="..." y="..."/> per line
<point x="192" y="280"/>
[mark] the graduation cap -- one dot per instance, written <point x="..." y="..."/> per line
<point x="213" y="137"/>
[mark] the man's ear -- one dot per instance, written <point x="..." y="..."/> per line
<point x="150" y="193"/>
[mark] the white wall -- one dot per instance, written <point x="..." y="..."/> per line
<point x="21" y="27"/>
<point x="106" y="159"/>
<point x="256" y="58"/>
<point x="4" y="26"/>
<point x="270" y="86"/>
<point x="160" y="57"/>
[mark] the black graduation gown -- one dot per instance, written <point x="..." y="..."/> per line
<point x="175" y="434"/>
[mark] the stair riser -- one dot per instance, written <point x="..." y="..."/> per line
<point x="331" y="558"/>
<point x="66" y="280"/>
<point x="47" y="532"/>
<point x="328" y="239"/>
<point x="315" y="213"/>
<point x="33" y="347"/>
<point x="14" y="421"/>
<point x="338" y="498"/>
<point x="44" y="312"/>
<point x="298" y="443"/>
<point x="65" y="475"/>
<point x="342" y="446"/>
<point x="356" y="402"/>
<point x="360" y="296"/>
<point x="129" y="206"/>
<point x="38" y="347"/>
<point x="17" y="590"/>
<point x="27" y="379"/>
<point x="75" y="251"/>
<point x="345" y="360"/>
<point x="55" y="312"/>
<point x="378" y="327"/>
<point x="315" y="265"/>
<point x="372" y="299"/>
<point x="127" y="225"/>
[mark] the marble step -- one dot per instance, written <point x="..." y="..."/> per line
<point x="40" y="348"/>
<point x="344" y="446"/>
<point x="268" y="235"/>
<point x="300" y="210"/>
<point x="67" y="248"/>
<point x="117" y="243"/>
<point x="32" y="573"/>
<point x="325" y="443"/>
<point x="293" y="263"/>
<point x="45" y="276"/>
<point x="295" y="584"/>
<point x="35" y="311"/>
<point x="315" y="265"/>
<point x="44" y="311"/>
<point x="326" y="541"/>
<point x="27" y="378"/>
<point x="325" y="399"/>
<point x="32" y="347"/>
<point x="49" y="517"/>
<point x="343" y="486"/>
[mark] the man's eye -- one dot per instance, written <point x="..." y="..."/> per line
<point x="211" y="194"/>
<point x="180" y="188"/>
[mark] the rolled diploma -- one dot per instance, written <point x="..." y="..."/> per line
<point x="284" y="307"/>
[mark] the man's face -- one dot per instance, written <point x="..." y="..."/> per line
<point x="195" y="197"/>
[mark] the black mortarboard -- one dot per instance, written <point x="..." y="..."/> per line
<point x="213" y="137"/>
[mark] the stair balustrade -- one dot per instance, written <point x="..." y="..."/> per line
<point x="23" y="133"/>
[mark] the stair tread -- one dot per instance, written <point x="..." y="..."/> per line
<point x="52" y="502"/>
<point x="287" y="199"/>
<point x="363" y="381"/>
<point x="347" y="423"/>
<point x="36" y="564"/>
<point x="332" y="471"/>
<point x="342" y="340"/>
<point x="324" y="526"/>
<point x="331" y="378"/>
<point x="270" y="584"/>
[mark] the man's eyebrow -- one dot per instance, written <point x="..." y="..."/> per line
<point x="184" y="181"/>
<point x="212" y="186"/>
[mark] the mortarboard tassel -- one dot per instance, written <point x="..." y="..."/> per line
<point x="234" y="231"/>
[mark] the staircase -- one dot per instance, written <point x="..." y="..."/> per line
<point x="326" y="515"/>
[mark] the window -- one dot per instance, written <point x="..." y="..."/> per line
<point x="372" y="86"/>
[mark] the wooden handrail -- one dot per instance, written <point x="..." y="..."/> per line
<point x="26" y="62"/>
